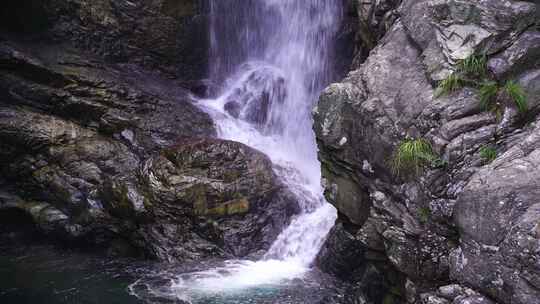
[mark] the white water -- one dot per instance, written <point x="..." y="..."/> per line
<point x="273" y="58"/>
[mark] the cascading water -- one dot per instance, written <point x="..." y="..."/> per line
<point x="273" y="58"/>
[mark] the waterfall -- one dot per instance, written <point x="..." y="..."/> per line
<point x="272" y="59"/>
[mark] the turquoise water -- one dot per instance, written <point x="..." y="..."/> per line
<point x="44" y="273"/>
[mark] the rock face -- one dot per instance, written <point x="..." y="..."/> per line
<point x="165" y="35"/>
<point x="464" y="220"/>
<point x="96" y="150"/>
<point x="373" y="20"/>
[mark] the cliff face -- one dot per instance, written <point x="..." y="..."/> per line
<point x="101" y="144"/>
<point x="165" y="35"/>
<point x="465" y="227"/>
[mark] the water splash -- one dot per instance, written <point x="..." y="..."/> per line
<point x="277" y="55"/>
<point x="273" y="57"/>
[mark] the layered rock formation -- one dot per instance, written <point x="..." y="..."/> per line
<point x="165" y="35"/>
<point x="102" y="146"/>
<point x="465" y="230"/>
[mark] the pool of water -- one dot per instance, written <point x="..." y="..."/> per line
<point x="43" y="273"/>
<point x="207" y="287"/>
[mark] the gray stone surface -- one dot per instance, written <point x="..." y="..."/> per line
<point x="468" y="222"/>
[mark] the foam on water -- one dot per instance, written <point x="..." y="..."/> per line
<point x="239" y="275"/>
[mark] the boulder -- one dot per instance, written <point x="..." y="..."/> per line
<point x="228" y="189"/>
<point x="498" y="215"/>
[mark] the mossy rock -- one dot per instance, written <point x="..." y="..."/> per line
<point x="234" y="207"/>
<point x="179" y="8"/>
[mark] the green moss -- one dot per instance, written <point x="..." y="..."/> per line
<point x="469" y="72"/>
<point x="197" y="194"/>
<point x="231" y="175"/>
<point x="239" y="206"/>
<point x="177" y="9"/>
<point x="389" y="299"/>
<point x="424" y="213"/>
<point x="412" y="156"/>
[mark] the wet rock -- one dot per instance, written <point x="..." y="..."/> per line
<point x="227" y="187"/>
<point x="256" y="86"/>
<point x="165" y="35"/>
<point x="91" y="139"/>
<point x="342" y="253"/>
<point x="349" y="256"/>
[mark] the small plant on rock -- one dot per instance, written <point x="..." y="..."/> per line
<point x="517" y="94"/>
<point x="470" y="71"/>
<point x="488" y="154"/>
<point x="493" y="96"/>
<point x="413" y="156"/>
<point x="473" y="71"/>
<point x="488" y="95"/>
<point x="473" y="66"/>
<point x="450" y="84"/>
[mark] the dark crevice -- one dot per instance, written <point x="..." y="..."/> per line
<point x="17" y="226"/>
<point x="24" y="16"/>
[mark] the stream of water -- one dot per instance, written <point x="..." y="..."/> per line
<point x="273" y="58"/>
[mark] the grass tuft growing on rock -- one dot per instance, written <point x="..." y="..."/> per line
<point x="469" y="72"/>
<point x="488" y="154"/>
<point x="517" y="94"/>
<point x="473" y="66"/>
<point x="448" y="85"/>
<point x="493" y="96"/>
<point x="412" y="156"/>
<point x="488" y="95"/>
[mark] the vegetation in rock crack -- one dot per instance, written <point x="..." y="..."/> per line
<point x="493" y="96"/>
<point x="488" y="153"/>
<point x="488" y="95"/>
<point x="516" y="93"/>
<point x="424" y="213"/>
<point x="473" y="71"/>
<point x="469" y="71"/>
<point x="412" y="156"/>
<point x="473" y="66"/>
<point x="450" y="84"/>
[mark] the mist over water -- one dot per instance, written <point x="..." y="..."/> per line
<point x="272" y="59"/>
